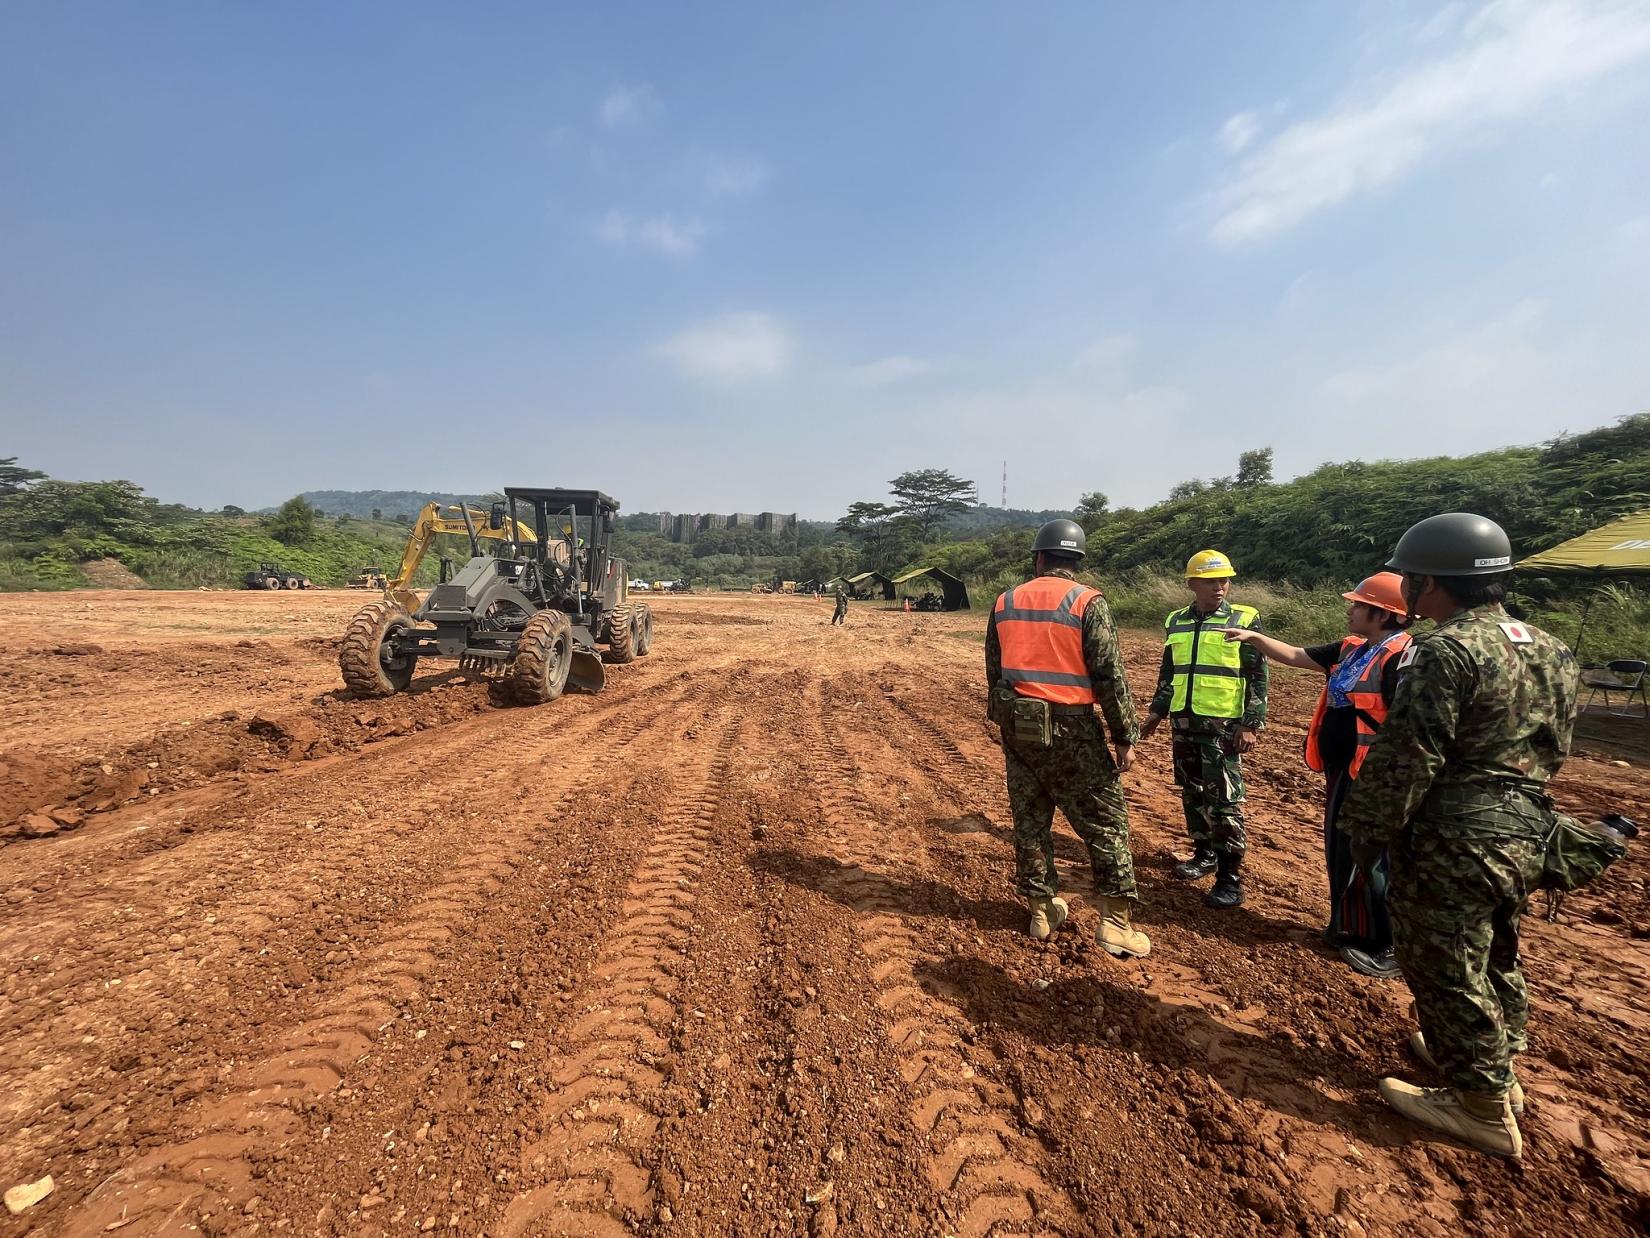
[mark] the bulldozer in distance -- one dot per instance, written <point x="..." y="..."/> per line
<point x="529" y="616"/>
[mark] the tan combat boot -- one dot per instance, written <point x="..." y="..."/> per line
<point x="1047" y="914"/>
<point x="1485" y="1122"/>
<point x="1418" y="1046"/>
<point x="1116" y="935"/>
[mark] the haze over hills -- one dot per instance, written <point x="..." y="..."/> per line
<point x="402" y="505"/>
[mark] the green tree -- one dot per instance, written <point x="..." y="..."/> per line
<point x="229" y="509"/>
<point x="870" y="525"/>
<point x="294" y="523"/>
<point x="925" y="497"/>
<point x="1255" y="467"/>
<point x="1092" y="507"/>
<point x="378" y="513"/>
<point x="13" y="478"/>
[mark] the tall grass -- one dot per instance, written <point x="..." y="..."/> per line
<point x="1618" y="624"/>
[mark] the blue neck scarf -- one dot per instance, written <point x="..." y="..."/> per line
<point x="1351" y="668"/>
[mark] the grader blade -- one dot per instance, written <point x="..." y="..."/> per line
<point x="586" y="673"/>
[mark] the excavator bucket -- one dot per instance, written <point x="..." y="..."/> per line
<point x="586" y="674"/>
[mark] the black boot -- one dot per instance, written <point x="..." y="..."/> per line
<point x="1228" y="888"/>
<point x="1201" y="864"/>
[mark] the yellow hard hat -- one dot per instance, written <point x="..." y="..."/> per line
<point x="1209" y="565"/>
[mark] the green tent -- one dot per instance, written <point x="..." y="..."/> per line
<point x="952" y="589"/>
<point x="1620" y="548"/>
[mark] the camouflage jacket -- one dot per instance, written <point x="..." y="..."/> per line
<point x="1251" y="664"/>
<point x="1484" y="701"/>
<point x="1103" y="656"/>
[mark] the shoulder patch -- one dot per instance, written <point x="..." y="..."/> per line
<point x="1517" y="633"/>
<point x="1408" y="656"/>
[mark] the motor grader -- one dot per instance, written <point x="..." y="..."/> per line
<point x="531" y="615"/>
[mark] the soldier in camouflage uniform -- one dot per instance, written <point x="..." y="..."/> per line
<point x="1052" y="641"/>
<point x="1213" y="691"/>
<point x="1454" y="788"/>
<point x="840" y="614"/>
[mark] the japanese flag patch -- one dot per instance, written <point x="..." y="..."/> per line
<point x="1408" y="656"/>
<point x="1517" y="633"/>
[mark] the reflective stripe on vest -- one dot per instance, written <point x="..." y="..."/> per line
<point x="1367" y="697"/>
<point x="1040" y="636"/>
<point x="1208" y="668"/>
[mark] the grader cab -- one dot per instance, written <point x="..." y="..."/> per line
<point x="531" y="615"/>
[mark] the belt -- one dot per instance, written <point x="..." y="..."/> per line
<point x="1069" y="711"/>
<point x="1509" y="808"/>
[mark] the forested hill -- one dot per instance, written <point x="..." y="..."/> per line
<point x="1339" y="521"/>
<point x="397" y="505"/>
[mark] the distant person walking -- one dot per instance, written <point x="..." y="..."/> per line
<point x="840" y="614"/>
<point x="1214" y="693"/>
<point x="1362" y="676"/>
<point x="1051" y="656"/>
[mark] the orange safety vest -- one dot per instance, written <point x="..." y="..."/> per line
<point x="1040" y="634"/>
<point x="1368" y="702"/>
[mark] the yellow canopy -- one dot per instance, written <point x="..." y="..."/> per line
<point x="1620" y="548"/>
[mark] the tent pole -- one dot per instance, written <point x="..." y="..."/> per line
<point x="1582" y="630"/>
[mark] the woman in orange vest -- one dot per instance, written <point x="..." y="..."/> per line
<point x="1362" y="672"/>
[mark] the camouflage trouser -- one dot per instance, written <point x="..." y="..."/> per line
<point x="1210" y="776"/>
<point x="1455" y="906"/>
<point x="1076" y="774"/>
<point x="840" y="614"/>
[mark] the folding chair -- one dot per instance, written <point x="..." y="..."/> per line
<point x="1623" y="675"/>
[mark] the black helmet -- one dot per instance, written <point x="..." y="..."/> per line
<point x="1454" y="544"/>
<point x="1062" y="537"/>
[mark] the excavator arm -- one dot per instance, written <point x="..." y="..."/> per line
<point x="426" y="527"/>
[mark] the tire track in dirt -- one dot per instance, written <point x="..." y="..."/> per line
<point x="134" y="974"/>
<point x="980" y="1165"/>
<point x="598" y="1118"/>
<point x="212" y="1165"/>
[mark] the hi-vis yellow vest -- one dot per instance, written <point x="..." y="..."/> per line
<point x="1207" y="666"/>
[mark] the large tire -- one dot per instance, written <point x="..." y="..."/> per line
<point x="644" y="629"/>
<point x="294" y="582"/>
<point x="544" y="655"/>
<point x="621" y="634"/>
<point x="366" y="669"/>
<point x="272" y="582"/>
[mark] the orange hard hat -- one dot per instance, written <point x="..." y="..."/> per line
<point x="1384" y="590"/>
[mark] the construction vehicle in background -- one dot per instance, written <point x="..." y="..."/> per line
<point x="369" y="577"/>
<point x="269" y="576"/>
<point x="471" y="523"/>
<point x="530" y="616"/>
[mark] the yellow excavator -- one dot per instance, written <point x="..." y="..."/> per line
<point x="471" y="522"/>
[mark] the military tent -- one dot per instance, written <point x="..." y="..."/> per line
<point x="953" y="590"/>
<point x="1620" y="548"/>
<point x="866" y="585"/>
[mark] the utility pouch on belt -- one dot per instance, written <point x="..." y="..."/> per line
<point x="1577" y="853"/>
<point x="999" y="705"/>
<point x="1030" y="722"/>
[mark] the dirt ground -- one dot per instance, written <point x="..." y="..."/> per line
<point x="731" y="947"/>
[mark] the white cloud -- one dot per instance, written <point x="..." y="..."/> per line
<point x="664" y="233"/>
<point x="626" y="106"/>
<point x="1110" y="354"/>
<point x="1239" y="131"/>
<point x="1475" y="370"/>
<point x="888" y="370"/>
<point x="734" y="178"/>
<point x="731" y="349"/>
<point x="1512" y="56"/>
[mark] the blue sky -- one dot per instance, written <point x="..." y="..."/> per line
<point x="720" y="257"/>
